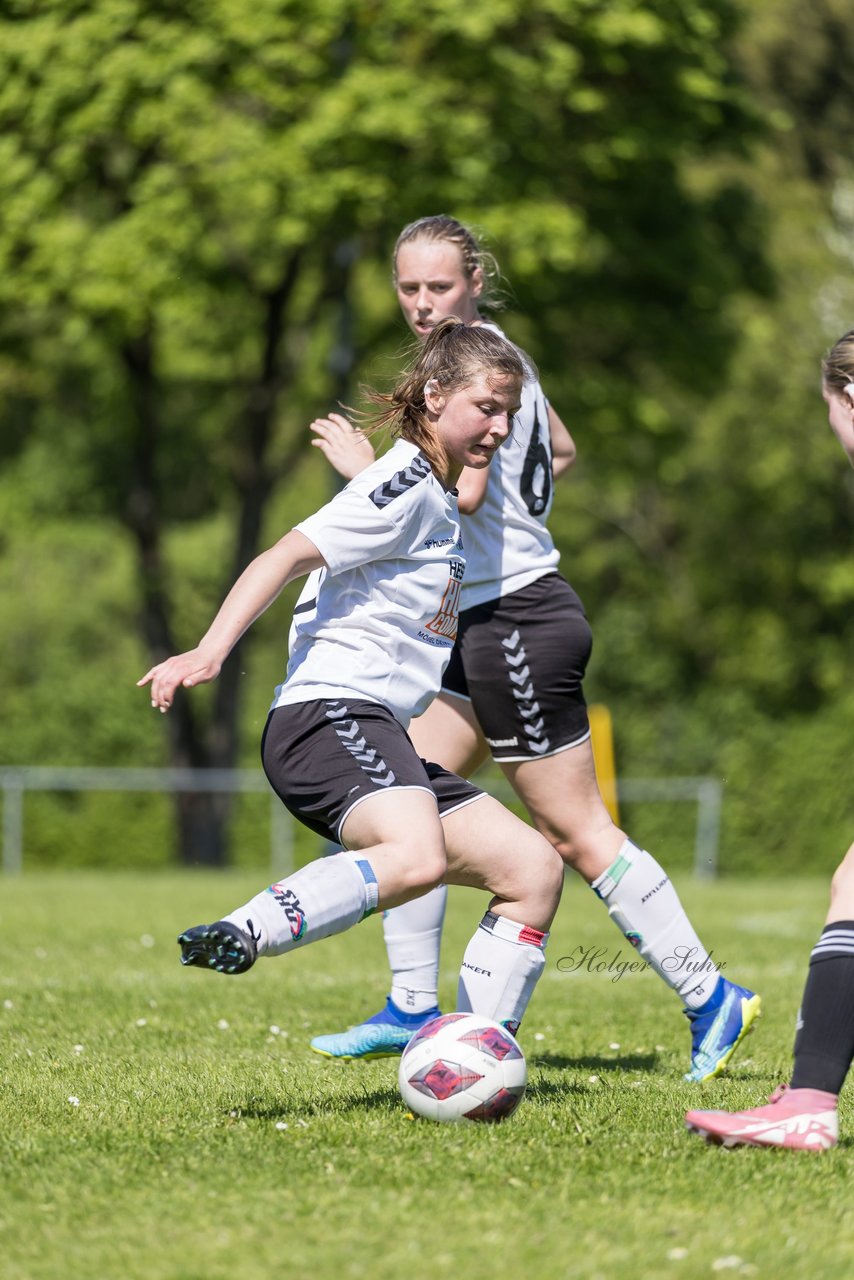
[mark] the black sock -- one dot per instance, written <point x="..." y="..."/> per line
<point x="824" y="1044"/>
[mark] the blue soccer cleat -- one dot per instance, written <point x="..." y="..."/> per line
<point x="718" y="1028"/>
<point x="385" y="1035"/>
<point x="221" y="946"/>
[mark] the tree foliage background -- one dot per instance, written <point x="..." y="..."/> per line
<point x="197" y="205"/>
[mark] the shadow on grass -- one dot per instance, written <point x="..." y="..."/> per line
<point x="631" y="1062"/>
<point x="647" y="1062"/>
<point x="333" y="1105"/>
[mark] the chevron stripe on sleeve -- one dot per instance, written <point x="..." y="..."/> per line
<point x="400" y="483"/>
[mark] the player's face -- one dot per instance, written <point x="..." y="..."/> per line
<point x="840" y="415"/>
<point x="431" y="284"/>
<point x="474" y="422"/>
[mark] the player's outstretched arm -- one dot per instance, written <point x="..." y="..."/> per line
<point x="563" y="445"/>
<point x="253" y="592"/>
<point x="343" y="445"/>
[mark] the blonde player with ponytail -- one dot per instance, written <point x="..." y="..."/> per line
<point x="372" y="633"/>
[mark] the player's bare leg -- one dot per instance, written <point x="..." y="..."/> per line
<point x="395" y="850"/>
<point x="448" y="731"/>
<point x="562" y="796"/>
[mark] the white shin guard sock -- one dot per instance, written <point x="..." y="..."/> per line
<point x="501" y="967"/>
<point x="326" y="897"/>
<point x="646" y="909"/>
<point x="413" y="935"/>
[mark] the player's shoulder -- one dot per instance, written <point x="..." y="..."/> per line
<point x="395" y="475"/>
<point x="531" y="389"/>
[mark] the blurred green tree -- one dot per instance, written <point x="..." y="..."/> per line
<point x="195" y="199"/>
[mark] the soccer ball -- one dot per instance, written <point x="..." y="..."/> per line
<point x="463" y="1067"/>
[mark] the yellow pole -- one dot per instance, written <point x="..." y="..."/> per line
<point x="602" y="741"/>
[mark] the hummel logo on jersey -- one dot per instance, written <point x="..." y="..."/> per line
<point x="418" y="469"/>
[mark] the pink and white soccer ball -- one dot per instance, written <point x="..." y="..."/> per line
<point x="461" y="1067"/>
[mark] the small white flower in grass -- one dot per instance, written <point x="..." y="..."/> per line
<point x="592" y="1079"/>
<point x="75" y="1102"/>
<point x="222" y="1024"/>
<point x="78" y="1048"/>
<point x="146" y="940"/>
<point x="280" y="1125"/>
<point x="539" y="1036"/>
<point x="613" y="1046"/>
<point x="7" y="1004"/>
<point x="142" y="1022"/>
<point x="728" y="1263"/>
<point x="659" y="1048"/>
<point x="676" y="1255"/>
<point x="275" y="1031"/>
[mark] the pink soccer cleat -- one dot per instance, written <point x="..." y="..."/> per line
<point x="802" y="1119"/>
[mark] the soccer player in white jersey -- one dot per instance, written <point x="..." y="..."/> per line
<point x="513" y="688"/>
<point x="373" y="631"/>
<point x="803" y="1114"/>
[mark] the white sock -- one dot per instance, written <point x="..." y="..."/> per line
<point x="500" y="969"/>
<point x="413" y="934"/>
<point x="646" y="909"/>
<point x="326" y="897"/>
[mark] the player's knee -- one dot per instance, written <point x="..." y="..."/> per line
<point x="552" y="879"/>
<point x="587" y="850"/>
<point x="423" y="869"/>
<point x="542" y="876"/>
<point x="568" y="849"/>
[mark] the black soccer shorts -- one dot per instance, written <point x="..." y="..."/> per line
<point x="520" y="660"/>
<point x="322" y="758"/>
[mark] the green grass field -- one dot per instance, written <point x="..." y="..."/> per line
<point x="166" y="1123"/>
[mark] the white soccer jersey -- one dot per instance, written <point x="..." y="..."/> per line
<point x="379" y="622"/>
<point x="507" y="543"/>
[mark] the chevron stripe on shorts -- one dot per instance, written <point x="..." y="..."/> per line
<point x="353" y="740"/>
<point x="533" y="723"/>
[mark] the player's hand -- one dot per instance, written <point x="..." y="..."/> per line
<point x="343" y="445"/>
<point x="186" y="669"/>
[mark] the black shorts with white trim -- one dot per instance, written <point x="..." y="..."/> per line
<point x="322" y="758"/>
<point x="521" y="660"/>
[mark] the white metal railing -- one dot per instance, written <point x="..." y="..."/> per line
<point x="706" y="793"/>
<point x="16" y="781"/>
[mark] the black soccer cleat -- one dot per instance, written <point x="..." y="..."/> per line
<point x="222" y="946"/>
